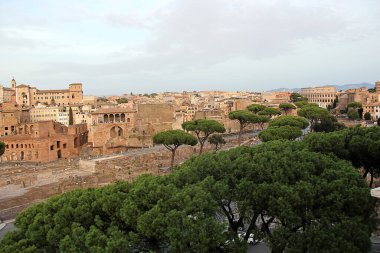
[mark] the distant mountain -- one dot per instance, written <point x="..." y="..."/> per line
<point x="285" y="89"/>
<point x="338" y="87"/>
<point x="354" y="86"/>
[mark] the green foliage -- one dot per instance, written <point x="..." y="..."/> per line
<point x="203" y="128"/>
<point x="280" y="133"/>
<point x="367" y="116"/>
<point x="358" y="145"/>
<point x="261" y="120"/>
<point x="2" y="148"/>
<point x="353" y="114"/>
<point x="295" y="121"/>
<point x="102" y="99"/>
<point x="151" y="214"/>
<point x="329" y="124"/>
<point x="312" y="201"/>
<point x="244" y="118"/>
<point x="286" y="107"/>
<point x="300" y="104"/>
<point x="269" y="111"/>
<point x="336" y="101"/>
<point x="314" y="114"/>
<point x="296" y="97"/>
<point x="320" y="119"/>
<point x="217" y="140"/>
<point x="71" y="117"/>
<point x="372" y="90"/>
<point x="311" y="197"/>
<point x="354" y="105"/>
<point x="172" y="139"/>
<point x="122" y="100"/>
<point x="360" y="111"/>
<point x="255" y="108"/>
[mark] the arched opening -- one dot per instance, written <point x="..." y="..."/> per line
<point x="122" y="117"/>
<point x="22" y="156"/>
<point x="75" y="142"/>
<point x="106" y="118"/>
<point x="112" y="118"/>
<point x="31" y="129"/>
<point x="116" y="132"/>
<point x="117" y="117"/>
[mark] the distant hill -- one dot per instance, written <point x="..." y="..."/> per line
<point x="354" y="86"/>
<point x="338" y="87"/>
<point x="285" y="89"/>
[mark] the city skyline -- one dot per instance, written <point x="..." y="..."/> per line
<point x="189" y="45"/>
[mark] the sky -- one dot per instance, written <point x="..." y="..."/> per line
<point x="145" y="46"/>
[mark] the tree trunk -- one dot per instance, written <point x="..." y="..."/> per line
<point x="371" y="181"/>
<point x="172" y="160"/>
<point x="201" y="148"/>
<point x="239" y="137"/>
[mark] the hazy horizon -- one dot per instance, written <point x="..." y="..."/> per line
<point x="116" y="47"/>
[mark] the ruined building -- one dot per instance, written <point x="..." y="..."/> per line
<point x="44" y="141"/>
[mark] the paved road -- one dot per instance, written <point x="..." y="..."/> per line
<point x="9" y="227"/>
<point x="258" y="248"/>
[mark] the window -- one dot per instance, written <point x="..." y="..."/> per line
<point x="64" y="145"/>
<point x="51" y="147"/>
<point x="58" y="144"/>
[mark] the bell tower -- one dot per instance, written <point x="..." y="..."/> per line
<point x="13" y="82"/>
<point x="377" y="86"/>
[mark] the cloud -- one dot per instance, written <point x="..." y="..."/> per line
<point x="197" y="33"/>
<point x="184" y="38"/>
<point x="13" y="40"/>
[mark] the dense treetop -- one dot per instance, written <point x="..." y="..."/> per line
<point x="255" y="108"/>
<point x="280" y="133"/>
<point x="175" y="138"/>
<point x="358" y="145"/>
<point x="296" y="97"/>
<point x="295" y="121"/>
<point x="203" y="128"/>
<point x="298" y="196"/>
<point x="269" y="111"/>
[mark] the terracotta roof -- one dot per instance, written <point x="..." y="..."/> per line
<point x="22" y="86"/>
<point x="114" y="110"/>
<point x="52" y="91"/>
